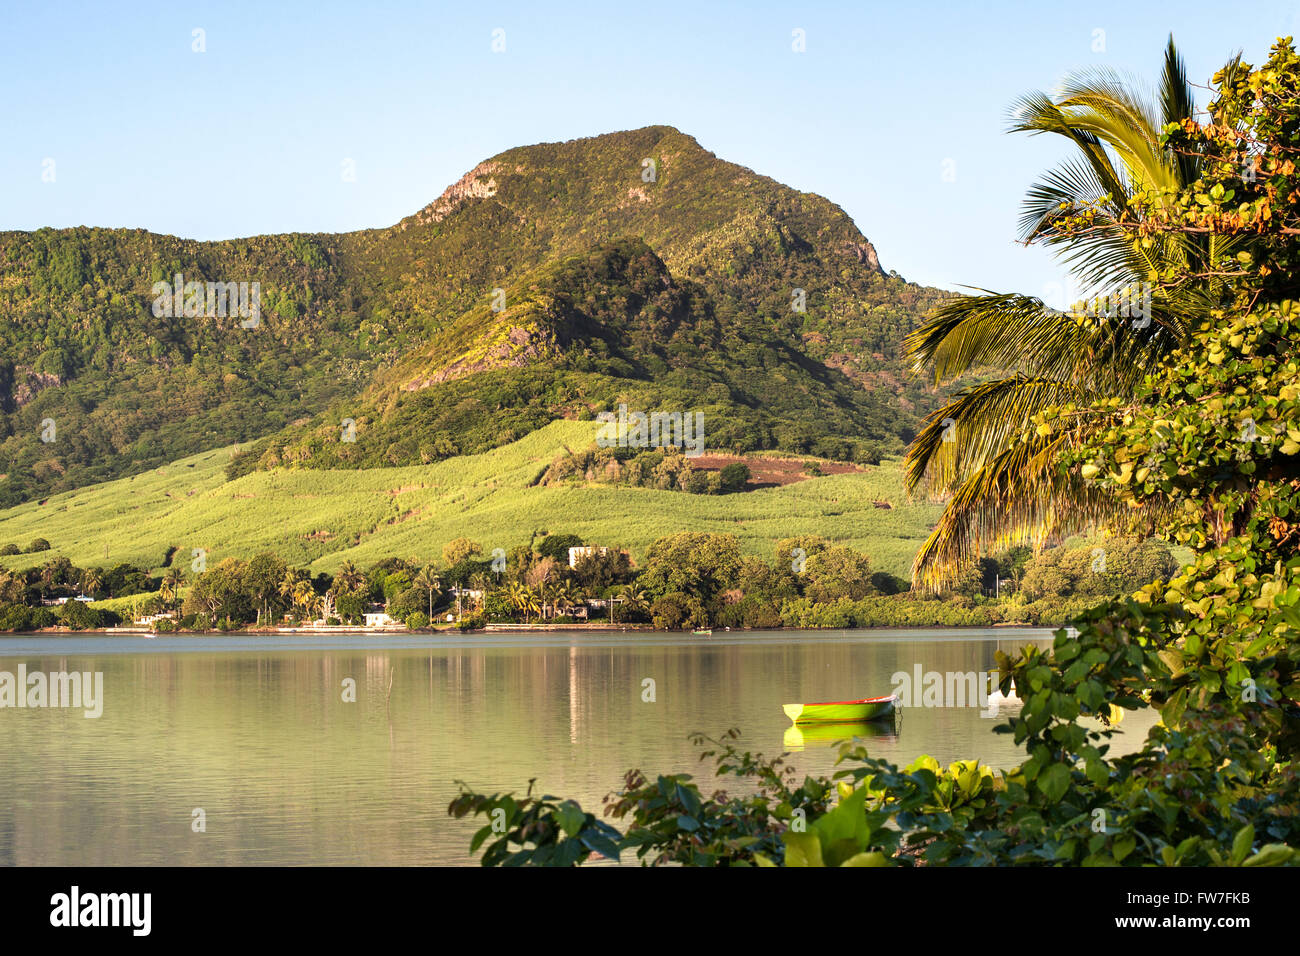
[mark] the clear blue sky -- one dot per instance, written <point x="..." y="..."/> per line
<point x="249" y="137"/>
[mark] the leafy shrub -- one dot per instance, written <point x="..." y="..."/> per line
<point x="19" y="617"/>
<point x="673" y="611"/>
<point x="557" y="546"/>
<point x="669" y="819"/>
<point x="79" y="616"/>
<point x="497" y="607"/>
<point x="735" y="476"/>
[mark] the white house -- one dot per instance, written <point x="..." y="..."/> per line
<point x="378" y="619"/>
<point x="577" y="554"/>
<point x="150" y="619"/>
<point x="62" y="600"/>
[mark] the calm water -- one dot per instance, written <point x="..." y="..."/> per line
<point x="255" y="731"/>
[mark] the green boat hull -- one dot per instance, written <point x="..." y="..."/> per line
<point x="842" y="711"/>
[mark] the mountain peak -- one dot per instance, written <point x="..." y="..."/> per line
<point x="655" y="181"/>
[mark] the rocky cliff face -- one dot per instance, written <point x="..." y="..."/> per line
<point x="475" y="184"/>
<point x="865" y="253"/>
<point x="23" y="384"/>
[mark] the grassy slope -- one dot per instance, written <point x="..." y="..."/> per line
<point x="413" y="511"/>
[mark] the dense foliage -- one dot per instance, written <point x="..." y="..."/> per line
<point x="581" y="337"/>
<point x="1000" y="487"/>
<point x="687" y="580"/>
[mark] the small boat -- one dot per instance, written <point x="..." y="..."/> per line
<point x="705" y="630"/>
<point x="841" y="711"/>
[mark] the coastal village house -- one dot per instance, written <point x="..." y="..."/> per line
<point x="148" y="620"/>
<point x="577" y="554"/>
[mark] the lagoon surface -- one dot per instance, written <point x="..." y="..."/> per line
<point x="255" y="731"/>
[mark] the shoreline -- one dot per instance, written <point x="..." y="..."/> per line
<point x="346" y="629"/>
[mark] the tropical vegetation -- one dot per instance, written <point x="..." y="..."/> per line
<point x="1145" y="295"/>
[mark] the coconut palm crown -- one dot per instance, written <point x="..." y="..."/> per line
<point x="981" y="451"/>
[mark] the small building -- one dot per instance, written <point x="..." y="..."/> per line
<point x="54" y="602"/>
<point x="150" y="619"/>
<point x="577" y="554"/>
<point x="378" y="619"/>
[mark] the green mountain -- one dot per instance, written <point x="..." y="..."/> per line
<point x="631" y="267"/>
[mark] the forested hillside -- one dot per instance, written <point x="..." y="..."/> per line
<point x="644" y="266"/>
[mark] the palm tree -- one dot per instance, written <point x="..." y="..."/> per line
<point x="566" y="597"/>
<point x="429" y="582"/>
<point x="304" y="597"/>
<point x="480" y="582"/>
<point x="348" y="579"/>
<point x="288" y="588"/>
<point x="635" y="599"/>
<point x="524" y="599"/>
<point x="170" y="587"/>
<point x="91" y="581"/>
<point x="981" y="450"/>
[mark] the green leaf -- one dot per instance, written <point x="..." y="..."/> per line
<point x="874" y="858"/>
<point x="689" y="799"/>
<point x="1123" y="846"/>
<point x="1242" y="843"/>
<point x="600" y="844"/>
<point x="1097" y="771"/>
<point x="802" y="849"/>
<point x="479" y="837"/>
<point x="1274" y="854"/>
<point x="1053" y="781"/>
<point x="570" y="817"/>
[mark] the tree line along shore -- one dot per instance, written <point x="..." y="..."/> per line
<point x="687" y="580"/>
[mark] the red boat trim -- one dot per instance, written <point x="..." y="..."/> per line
<point x="865" y="700"/>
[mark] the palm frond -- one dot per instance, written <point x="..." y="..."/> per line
<point x="1020" y="497"/>
<point x="998" y="330"/>
<point x="976" y="426"/>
